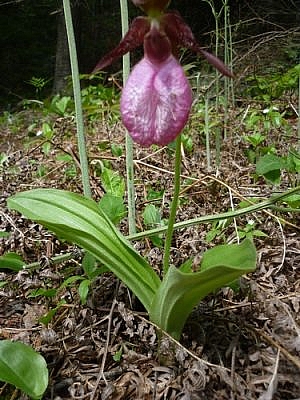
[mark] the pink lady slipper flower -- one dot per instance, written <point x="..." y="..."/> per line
<point x="157" y="97"/>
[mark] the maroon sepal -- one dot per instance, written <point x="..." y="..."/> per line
<point x="181" y="35"/>
<point x="133" y="38"/>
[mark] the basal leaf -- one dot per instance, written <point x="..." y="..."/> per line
<point x="181" y="291"/>
<point x="79" y="220"/>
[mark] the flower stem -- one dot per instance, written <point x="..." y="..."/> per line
<point x="77" y="99"/>
<point x="128" y="143"/>
<point x="174" y="205"/>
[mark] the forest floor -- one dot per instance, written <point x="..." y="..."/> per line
<point x="237" y="344"/>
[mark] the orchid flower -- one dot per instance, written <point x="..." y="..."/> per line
<point x="157" y="97"/>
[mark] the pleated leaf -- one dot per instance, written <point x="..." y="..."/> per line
<point x="181" y="291"/>
<point x="79" y="220"/>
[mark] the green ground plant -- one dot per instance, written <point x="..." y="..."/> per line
<point x="39" y="84"/>
<point x="271" y="87"/>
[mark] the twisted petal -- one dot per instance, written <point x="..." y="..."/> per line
<point x="156" y="101"/>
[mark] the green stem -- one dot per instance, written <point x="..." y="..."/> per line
<point x="53" y="260"/>
<point x="217" y="217"/>
<point x="174" y="205"/>
<point x="77" y="99"/>
<point x="226" y="59"/>
<point x="207" y="133"/>
<point x="299" y="107"/>
<point x="128" y="143"/>
<point x="230" y="61"/>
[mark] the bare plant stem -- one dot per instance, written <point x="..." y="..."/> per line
<point x="298" y="180"/>
<point x="174" y="204"/>
<point x="129" y="143"/>
<point x="207" y="133"/>
<point x="217" y="16"/>
<point x="77" y="99"/>
<point x="226" y="59"/>
<point x="230" y="59"/>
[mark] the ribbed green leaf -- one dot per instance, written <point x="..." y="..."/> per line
<point x="181" y="291"/>
<point x="79" y="220"/>
<point x="22" y="367"/>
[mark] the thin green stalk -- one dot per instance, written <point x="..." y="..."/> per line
<point x="218" y="146"/>
<point x="298" y="177"/>
<point x="217" y="16"/>
<point x="230" y="61"/>
<point x="217" y="54"/>
<point x="77" y="99"/>
<point x="226" y="59"/>
<point x="174" y="204"/>
<point x="207" y="136"/>
<point x="128" y="143"/>
<point x="218" y="217"/>
<point x="299" y="110"/>
<point x="53" y="260"/>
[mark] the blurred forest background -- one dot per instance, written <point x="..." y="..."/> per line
<point x="33" y="44"/>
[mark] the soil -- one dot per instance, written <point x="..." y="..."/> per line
<point x="238" y="344"/>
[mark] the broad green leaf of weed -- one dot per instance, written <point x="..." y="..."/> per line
<point x="113" y="207"/>
<point x="118" y="355"/>
<point x="46" y="319"/>
<point x="89" y="265"/>
<point x="64" y="157"/>
<point x="116" y="150"/>
<point x="154" y="194"/>
<point x="47" y="131"/>
<point x="152" y="219"/>
<point x="270" y="166"/>
<point x="293" y="200"/>
<point x="61" y="104"/>
<point x="42" y="292"/>
<point x="83" y="290"/>
<point x="46" y="147"/>
<point x="151" y="216"/>
<point x="113" y="183"/>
